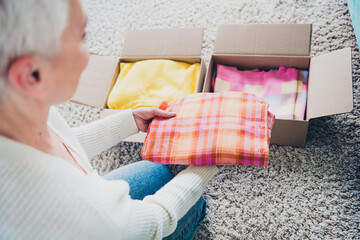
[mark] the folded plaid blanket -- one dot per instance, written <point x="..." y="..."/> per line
<point x="230" y="128"/>
<point x="285" y="89"/>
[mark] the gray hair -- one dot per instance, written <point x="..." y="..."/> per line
<point x="30" y="27"/>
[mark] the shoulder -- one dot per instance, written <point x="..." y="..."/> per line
<point x="55" y="118"/>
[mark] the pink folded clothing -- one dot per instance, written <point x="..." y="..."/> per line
<point x="285" y="89"/>
<point x="212" y="129"/>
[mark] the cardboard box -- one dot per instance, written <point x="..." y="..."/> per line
<point x="269" y="46"/>
<point x="101" y="73"/>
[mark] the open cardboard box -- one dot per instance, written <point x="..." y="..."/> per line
<point x="269" y="46"/>
<point x="101" y="73"/>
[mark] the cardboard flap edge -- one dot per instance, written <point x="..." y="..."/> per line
<point x="330" y="84"/>
<point x="95" y="81"/>
<point x="264" y="39"/>
<point x="163" y="42"/>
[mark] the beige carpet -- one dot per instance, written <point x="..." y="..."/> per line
<point x="304" y="193"/>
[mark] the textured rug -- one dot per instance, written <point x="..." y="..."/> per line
<point x="304" y="193"/>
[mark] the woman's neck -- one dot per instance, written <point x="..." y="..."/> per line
<point x="25" y="122"/>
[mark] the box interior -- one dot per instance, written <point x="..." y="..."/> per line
<point x="159" y="43"/>
<point x="96" y="82"/>
<point x="101" y="73"/>
<point x="248" y="62"/>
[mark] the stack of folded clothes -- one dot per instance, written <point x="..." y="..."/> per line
<point x="285" y="89"/>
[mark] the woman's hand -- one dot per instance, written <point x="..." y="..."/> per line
<point x="144" y="115"/>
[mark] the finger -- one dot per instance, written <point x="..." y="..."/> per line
<point x="161" y="113"/>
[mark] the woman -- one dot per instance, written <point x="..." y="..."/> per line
<point x="48" y="188"/>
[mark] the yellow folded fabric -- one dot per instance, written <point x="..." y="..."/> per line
<point x="148" y="83"/>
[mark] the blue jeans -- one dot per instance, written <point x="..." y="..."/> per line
<point x="146" y="178"/>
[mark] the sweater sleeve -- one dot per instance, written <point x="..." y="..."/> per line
<point x="102" y="134"/>
<point x="173" y="201"/>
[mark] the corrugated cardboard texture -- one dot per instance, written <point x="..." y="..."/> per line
<point x="264" y="39"/>
<point x="330" y="84"/>
<point x="95" y="81"/>
<point x="289" y="132"/>
<point x="208" y="77"/>
<point x="182" y="42"/>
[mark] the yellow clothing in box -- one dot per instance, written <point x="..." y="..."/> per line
<point x="148" y="83"/>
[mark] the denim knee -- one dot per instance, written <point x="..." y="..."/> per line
<point x="144" y="177"/>
<point x="160" y="170"/>
<point x="202" y="209"/>
<point x="190" y="223"/>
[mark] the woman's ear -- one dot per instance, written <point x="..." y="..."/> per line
<point x="24" y="75"/>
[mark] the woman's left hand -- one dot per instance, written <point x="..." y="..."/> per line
<point x="144" y="115"/>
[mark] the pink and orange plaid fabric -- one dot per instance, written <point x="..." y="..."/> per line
<point x="229" y="128"/>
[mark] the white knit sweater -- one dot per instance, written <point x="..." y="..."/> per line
<point x="45" y="197"/>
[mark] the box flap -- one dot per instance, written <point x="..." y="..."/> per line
<point x="95" y="81"/>
<point x="264" y="39"/>
<point x="163" y="42"/>
<point x="330" y="84"/>
<point x="289" y="132"/>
